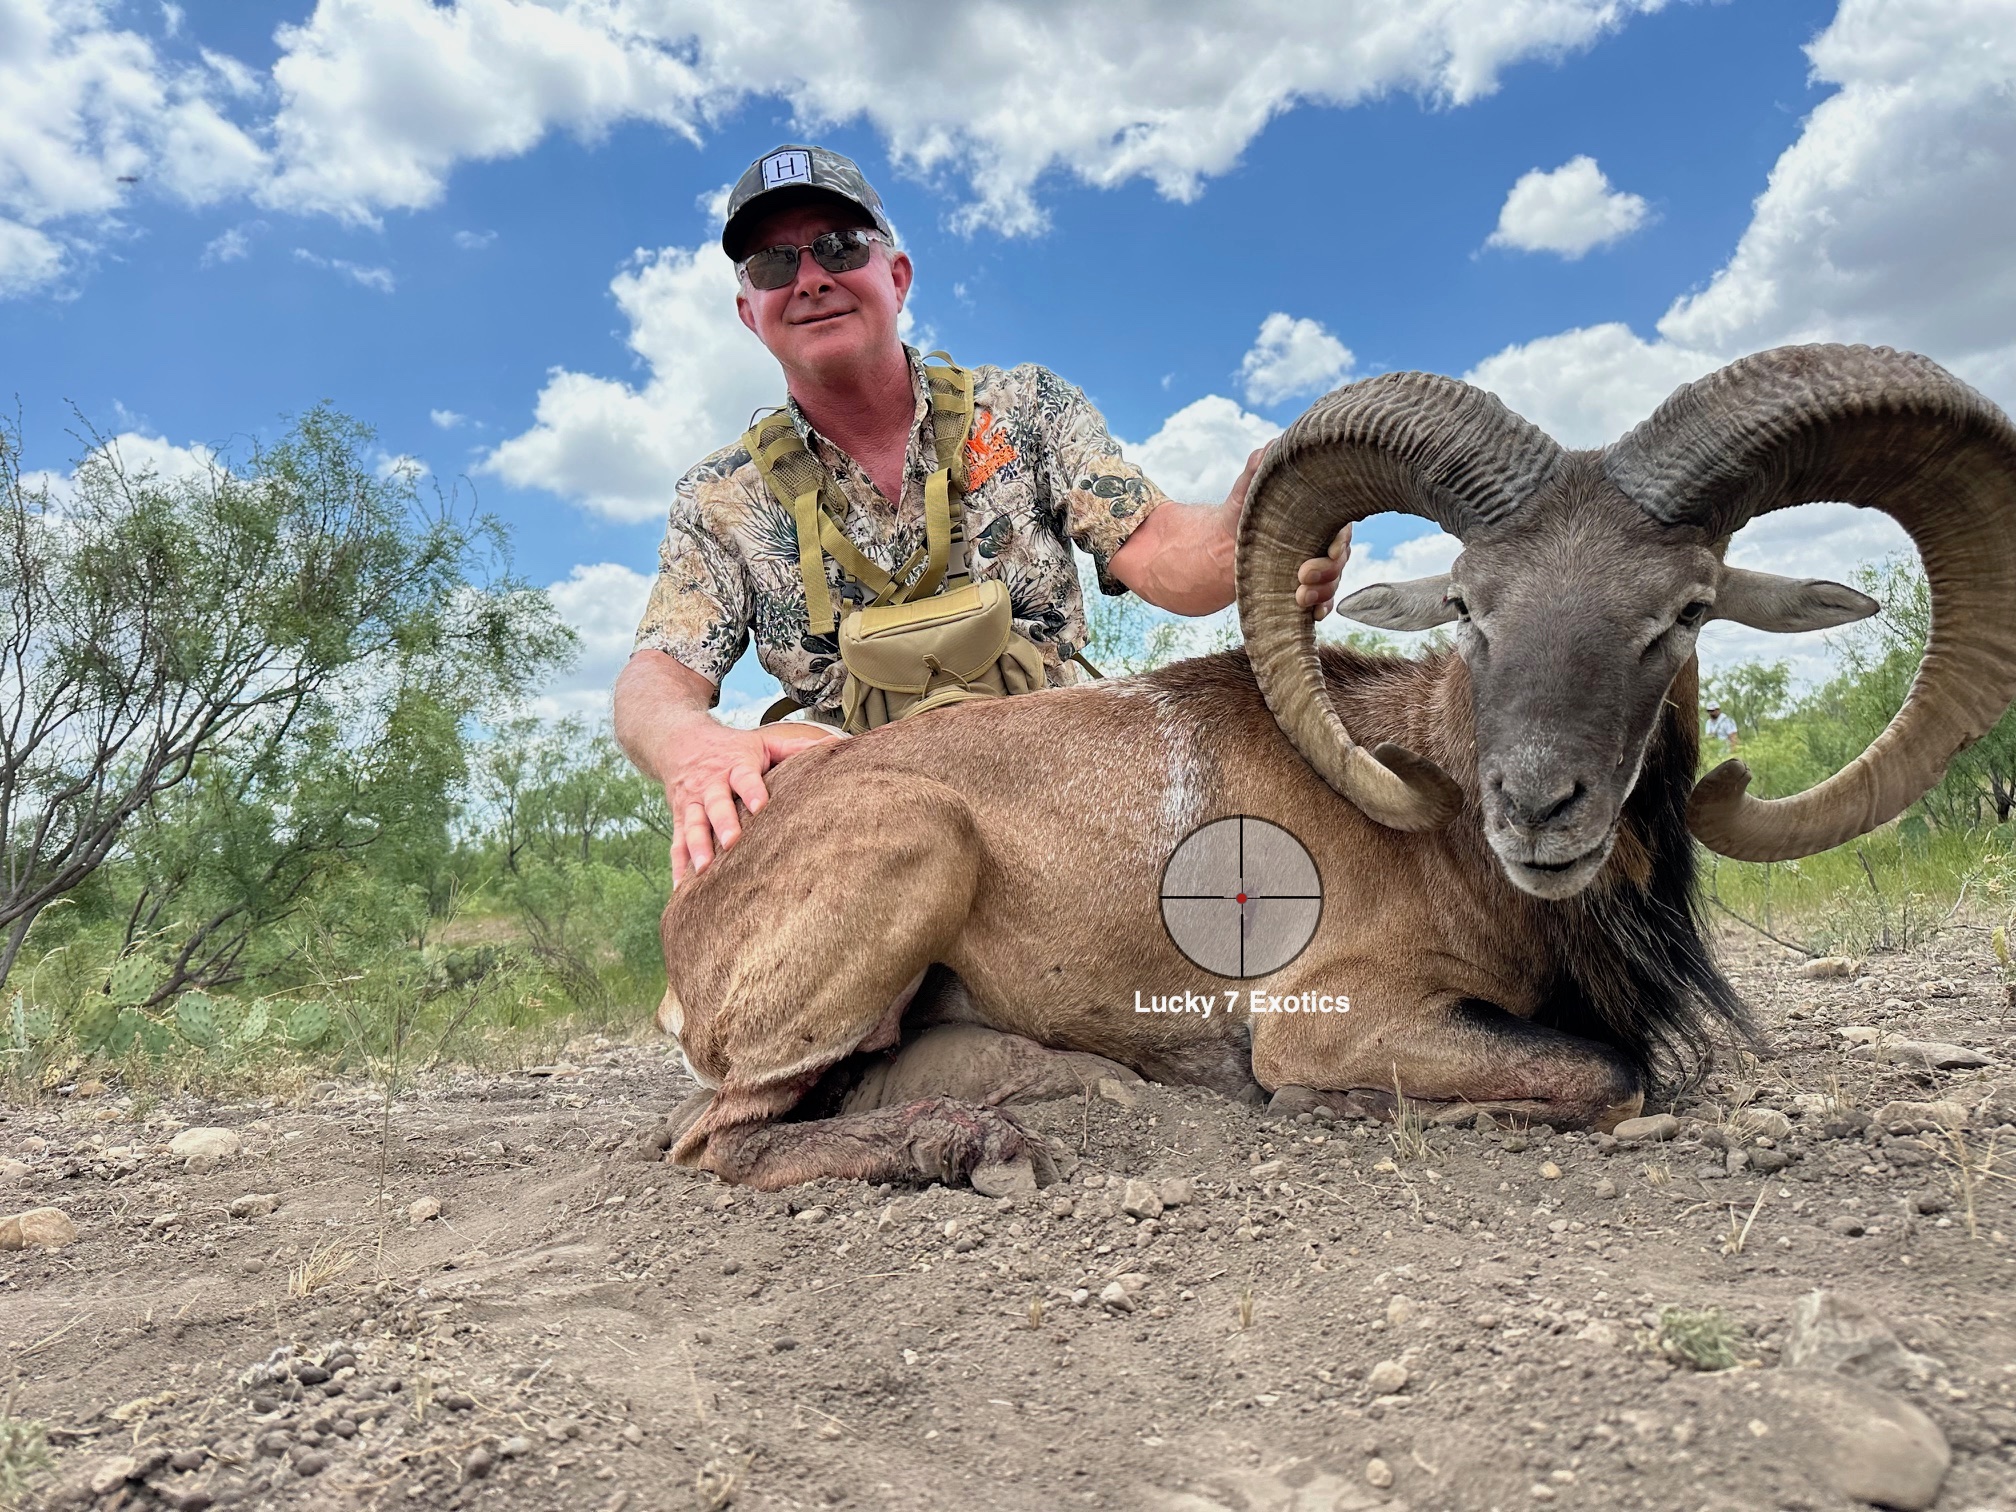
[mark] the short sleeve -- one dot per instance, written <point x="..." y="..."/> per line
<point x="699" y="609"/>
<point x="1100" y="497"/>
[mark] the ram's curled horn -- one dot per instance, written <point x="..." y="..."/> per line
<point x="1873" y="427"/>
<point x="1411" y="442"/>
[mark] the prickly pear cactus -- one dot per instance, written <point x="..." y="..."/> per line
<point x="127" y="1025"/>
<point x="227" y="1017"/>
<point x="40" y="1024"/>
<point x="195" y="1018"/>
<point x="253" y="1025"/>
<point x="308" y="1023"/>
<point x="132" y="982"/>
<point x="95" y="1025"/>
<point x="154" y="1037"/>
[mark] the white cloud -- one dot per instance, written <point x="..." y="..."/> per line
<point x="1587" y="387"/>
<point x="619" y="449"/>
<point x="474" y="241"/>
<point x="1197" y="454"/>
<point x="1570" y="210"/>
<point x="401" y="465"/>
<point x="1888" y="221"/>
<point x="29" y="259"/>
<point x="382" y="98"/>
<point x="603" y="602"/>
<point x="1291" y="358"/>
<point x="379" y="280"/>
<point x="446" y="419"/>
<point x="138" y="455"/>
<point x="83" y="104"/>
<point x="232" y="246"/>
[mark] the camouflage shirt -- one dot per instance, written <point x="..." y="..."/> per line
<point x="1042" y="474"/>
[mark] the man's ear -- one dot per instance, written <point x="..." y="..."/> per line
<point x="901" y="273"/>
<point x="742" y="307"/>
<point x="1417" y="604"/>
<point x="1766" y="601"/>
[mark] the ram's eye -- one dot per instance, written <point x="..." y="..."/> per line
<point x="1455" y="601"/>
<point x="1692" y="616"/>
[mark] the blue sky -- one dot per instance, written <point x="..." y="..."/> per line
<point x="485" y="228"/>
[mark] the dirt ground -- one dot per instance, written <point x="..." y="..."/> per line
<point x="1336" y="1318"/>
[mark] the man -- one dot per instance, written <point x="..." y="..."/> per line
<point x="821" y="283"/>
<point x="1721" y="726"/>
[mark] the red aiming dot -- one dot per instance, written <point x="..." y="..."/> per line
<point x="1242" y="898"/>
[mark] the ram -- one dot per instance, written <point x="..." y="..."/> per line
<point x="931" y="919"/>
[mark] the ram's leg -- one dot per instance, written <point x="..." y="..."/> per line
<point x="972" y="1064"/>
<point x="801" y="946"/>
<point x="1466" y="1055"/>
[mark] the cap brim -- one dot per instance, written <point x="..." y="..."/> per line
<point x="788" y="197"/>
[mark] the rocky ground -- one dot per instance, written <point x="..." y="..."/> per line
<point x="474" y="1300"/>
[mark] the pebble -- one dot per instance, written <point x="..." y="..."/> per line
<point x="216" y="1144"/>
<point x="1398" y="1311"/>
<point x="515" y="1447"/>
<point x="1266" y="1170"/>
<point x="1824" y="967"/>
<point x="253" y="1205"/>
<point x="1760" y="1123"/>
<point x="1850" y="1227"/>
<point x="1387" y="1377"/>
<point x="14" y="1170"/>
<point x="1929" y="1203"/>
<point x="812" y="1215"/>
<point x="454" y="1401"/>
<point x="1657" y="1126"/>
<point x="479" y="1463"/>
<point x="1142" y="1200"/>
<point x="1606" y="1188"/>
<point x="1550" y="1172"/>
<point x="1945" y="1115"/>
<point x="48" y="1227"/>
<point x="275" y="1444"/>
<point x="1177" y="1191"/>
<point x="1115" y="1298"/>
<point x="314" y="1462"/>
<point x="1932" y="1053"/>
<point x="1378" y="1473"/>
<point x="1857" y="1441"/>
<point x="1120" y="1094"/>
<point x="187" y="1459"/>
<point x="423" y="1209"/>
<point x="1836" y="1333"/>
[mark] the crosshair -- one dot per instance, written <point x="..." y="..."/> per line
<point x="1240" y="897"/>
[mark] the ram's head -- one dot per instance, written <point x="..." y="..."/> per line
<point x="1585" y="576"/>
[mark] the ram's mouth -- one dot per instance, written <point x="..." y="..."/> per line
<point x="1558" y="879"/>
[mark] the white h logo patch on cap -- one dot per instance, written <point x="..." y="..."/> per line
<point x="787" y="168"/>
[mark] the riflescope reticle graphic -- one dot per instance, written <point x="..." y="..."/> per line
<point x="1240" y="897"/>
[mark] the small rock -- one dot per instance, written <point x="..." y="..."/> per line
<point x="1736" y="1162"/>
<point x="1291" y="1101"/>
<point x="218" y="1144"/>
<point x="1606" y="1188"/>
<point x="1854" y="1439"/>
<point x="783" y="1344"/>
<point x="314" y="1462"/>
<point x="558" y="1068"/>
<point x="1760" y="1123"/>
<point x="1933" y="1054"/>
<point x="1657" y="1126"/>
<point x="1486" y="1320"/>
<point x="1848" y="1226"/>
<point x="14" y="1170"/>
<point x="1825" y="967"/>
<point x="48" y="1227"/>
<point x="187" y="1459"/>
<point x="1115" y="1298"/>
<point x="1010" y="1178"/>
<point x="1598" y="1331"/>
<point x="1387" y="1377"/>
<point x="254" y="1205"/>
<point x="478" y="1463"/>
<point x="1176" y="1191"/>
<point x="1836" y="1333"/>
<point x="1929" y="1203"/>
<point x="275" y="1444"/>
<point x="1550" y="1171"/>
<point x="423" y="1209"/>
<point x="1266" y="1170"/>
<point x="1945" y="1115"/>
<point x="1768" y="1161"/>
<point x="812" y="1215"/>
<point x="1120" y="1094"/>
<point x="515" y="1447"/>
<point x="1142" y="1200"/>
<point x="113" y="1474"/>
<point x="454" y="1401"/>
<point x="1378" y="1473"/>
<point x="1398" y="1311"/>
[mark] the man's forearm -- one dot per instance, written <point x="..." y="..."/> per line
<point x="656" y="697"/>
<point x="1181" y="558"/>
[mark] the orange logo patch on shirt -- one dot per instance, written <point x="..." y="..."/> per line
<point x="986" y="450"/>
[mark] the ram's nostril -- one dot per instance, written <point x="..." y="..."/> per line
<point x="1532" y="810"/>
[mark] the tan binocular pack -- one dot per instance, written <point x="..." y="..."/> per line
<point x="930" y="635"/>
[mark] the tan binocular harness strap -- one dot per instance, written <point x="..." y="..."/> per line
<point x="801" y="486"/>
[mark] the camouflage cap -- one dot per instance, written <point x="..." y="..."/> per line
<point x="788" y="175"/>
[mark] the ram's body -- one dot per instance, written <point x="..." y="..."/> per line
<point x="1502" y="832"/>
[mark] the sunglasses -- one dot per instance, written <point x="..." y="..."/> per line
<point x="835" y="251"/>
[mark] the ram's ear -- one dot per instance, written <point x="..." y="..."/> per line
<point x="1414" y="605"/>
<point x="1765" y="601"/>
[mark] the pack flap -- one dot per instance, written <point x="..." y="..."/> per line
<point x="964" y="631"/>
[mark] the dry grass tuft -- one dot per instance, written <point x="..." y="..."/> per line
<point x="1701" y="1339"/>
<point x="325" y="1263"/>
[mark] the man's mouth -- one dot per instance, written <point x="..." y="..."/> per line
<point x="822" y="319"/>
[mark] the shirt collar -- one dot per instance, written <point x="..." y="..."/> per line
<point x="921" y="436"/>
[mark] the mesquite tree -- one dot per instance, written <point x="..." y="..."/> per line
<point x="154" y="627"/>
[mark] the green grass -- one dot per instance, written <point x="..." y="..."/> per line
<point x="1701" y="1339"/>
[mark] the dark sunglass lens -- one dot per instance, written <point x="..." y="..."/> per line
<point x="772" y="268"/>
<point x="841" y="251"/>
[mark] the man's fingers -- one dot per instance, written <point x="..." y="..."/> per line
<point x="748" y="785"/>
<point x="699" y="839"/>
<point x="1317" y="572"/>
<point x="1340" y="545"/>
<point x="721" y="813"/>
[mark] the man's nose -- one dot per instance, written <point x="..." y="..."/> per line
<point x="813" y="280"/>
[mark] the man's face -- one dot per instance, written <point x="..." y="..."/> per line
<point x="824" y="322"/>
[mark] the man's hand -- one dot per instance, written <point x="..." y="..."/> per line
<point x="712" y="768"/>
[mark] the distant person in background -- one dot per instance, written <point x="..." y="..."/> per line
<point x="1721" y="726"/>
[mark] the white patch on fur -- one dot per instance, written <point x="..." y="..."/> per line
<point x="1183" y="794"/>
